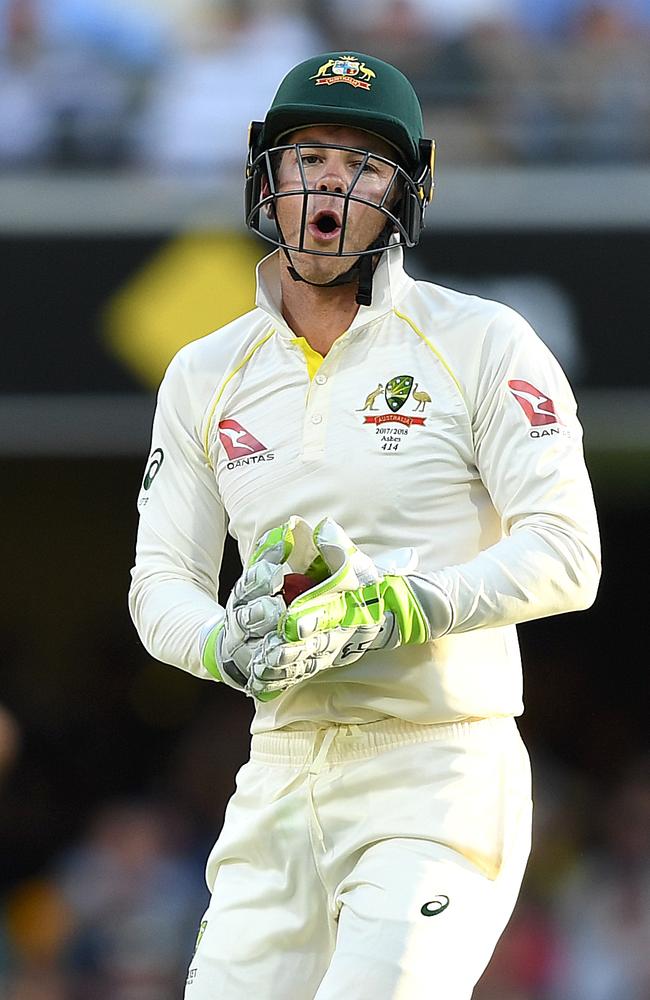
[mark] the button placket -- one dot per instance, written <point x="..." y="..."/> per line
<point x="317" y="412"/>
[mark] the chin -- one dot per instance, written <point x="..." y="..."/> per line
<point x="323" y="269"/>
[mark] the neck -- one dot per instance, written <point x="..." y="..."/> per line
<point x="320" y="315"/>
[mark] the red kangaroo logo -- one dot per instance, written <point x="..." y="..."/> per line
<point x="238" y="442"/>
<point x="537" y="406"/>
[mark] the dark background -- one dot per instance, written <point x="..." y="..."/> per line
<point x="56" y="285"/>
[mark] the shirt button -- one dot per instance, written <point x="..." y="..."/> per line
<point x="320" y="379"/>
<point x="317" y="418"/>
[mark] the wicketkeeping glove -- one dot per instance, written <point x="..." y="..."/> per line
<point x="361" y="605"/>
<point x="255" y="604"/>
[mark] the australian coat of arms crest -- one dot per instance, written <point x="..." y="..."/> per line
<point x="346" y="69"/>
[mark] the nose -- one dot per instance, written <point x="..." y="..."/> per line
<point x="331" y="183"/>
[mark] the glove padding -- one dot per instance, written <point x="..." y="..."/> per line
<point x="361" y="605"/>
<point x="255" y="604"/>
<point x="252" y="611"/>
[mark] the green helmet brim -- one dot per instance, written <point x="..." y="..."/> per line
<point x="291" y="117"/>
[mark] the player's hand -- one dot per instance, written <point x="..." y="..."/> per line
<point x="257" y="601"/>
<point x="361" y="605"/>
<point x="369" y="602"/>
<point x="253" y="610"/>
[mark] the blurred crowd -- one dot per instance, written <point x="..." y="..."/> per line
<point x="171" y="85"/>
<point x="114" y="913"/>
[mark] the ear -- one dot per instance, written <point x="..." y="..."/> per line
<point x="269" y="208"/>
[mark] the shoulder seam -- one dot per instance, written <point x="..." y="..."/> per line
<point x="222" y="387"/>
<point x="406" y="319"/>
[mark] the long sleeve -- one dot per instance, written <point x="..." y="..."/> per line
<point x="528" y="452"/>
<point x="181" y="533"/>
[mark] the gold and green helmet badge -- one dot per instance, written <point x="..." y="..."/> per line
<point x="346" y="69"/>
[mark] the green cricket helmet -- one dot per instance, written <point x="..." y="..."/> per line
<point x="361" y="92"/>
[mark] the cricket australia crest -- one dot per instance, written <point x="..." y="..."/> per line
<point x="392" y="428"/>
<point x="397" y="391"/>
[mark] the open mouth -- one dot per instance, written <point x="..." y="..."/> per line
<point x="325" y="225"/>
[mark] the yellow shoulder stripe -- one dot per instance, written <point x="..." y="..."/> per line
<point x="254" y="348"/>
<point x="431" y="347"/>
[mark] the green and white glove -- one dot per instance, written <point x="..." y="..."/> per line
<point x="361" y="605"/>
<point x="255" y="604"/>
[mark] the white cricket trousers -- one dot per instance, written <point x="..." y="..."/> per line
<point x="366" y="863"/>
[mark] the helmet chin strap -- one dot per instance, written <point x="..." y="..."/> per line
<point x="362" y="270"/>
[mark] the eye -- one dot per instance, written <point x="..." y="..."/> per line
<point x="310" y="158"/>
<point x="367" y="168"/>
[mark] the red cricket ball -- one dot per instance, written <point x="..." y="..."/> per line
<point x="294" y="585"/>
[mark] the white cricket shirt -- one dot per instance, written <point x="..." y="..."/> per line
<point x="438" y="420"/>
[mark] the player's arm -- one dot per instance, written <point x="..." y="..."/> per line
<point x="173" y="595"/>
<point x="547" y="562"/>
<point x="181" y="535"/>
<point x="181" y="532"/>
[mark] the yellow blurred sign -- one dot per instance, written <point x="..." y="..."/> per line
<point x="197" y="283"/>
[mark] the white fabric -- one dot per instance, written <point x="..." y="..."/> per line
<point x="334" y="841"/>
<point x="500" y="512"/>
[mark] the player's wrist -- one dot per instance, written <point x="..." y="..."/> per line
<point x="434" y="602"/>
<point x="207" y="645"/>
<point x="401" y="602"/>
<point x="214" y="661"/>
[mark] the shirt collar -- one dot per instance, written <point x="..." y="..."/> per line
<point x="390" y="283"/>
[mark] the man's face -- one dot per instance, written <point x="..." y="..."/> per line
<point x="332" y="173"/>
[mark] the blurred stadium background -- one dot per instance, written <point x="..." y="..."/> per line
<point x="122" y="137"/>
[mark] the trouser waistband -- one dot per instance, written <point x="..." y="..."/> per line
<point x="298" y="747"/>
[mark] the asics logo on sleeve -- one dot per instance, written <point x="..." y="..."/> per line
<point x="155" y="461"/>
<point x="435" y="906"/>
<point x="238" y="442"/>
<point x="538" y="407"/>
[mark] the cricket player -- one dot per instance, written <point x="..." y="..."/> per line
<point x="401" y="466"/>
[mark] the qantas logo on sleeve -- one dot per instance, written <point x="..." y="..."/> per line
<point x="538" y="407"/>
<point x="242" y="447"/>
